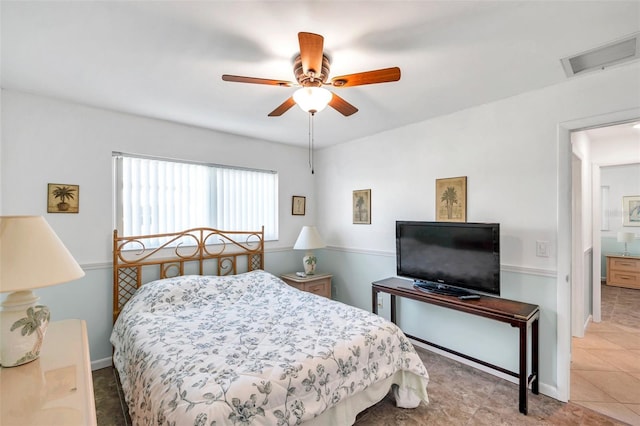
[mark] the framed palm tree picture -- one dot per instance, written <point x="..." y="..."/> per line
<point x="451" y="199"/>
<point x="362" y="206"/>
<point x="63" y="198"/>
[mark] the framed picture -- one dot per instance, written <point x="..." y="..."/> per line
<point x="63" y="198"/>
<point x="631" y="210"/>
<point x="362" y="206"/>
<point x="451" y="199"/>
<point x="298" y="205"/>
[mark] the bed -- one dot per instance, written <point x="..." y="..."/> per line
<point x="214" y="339"/>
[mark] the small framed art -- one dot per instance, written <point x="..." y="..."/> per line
<point x="362" y="206"/>
<point x="63" y="198"/>
<point x="631" y="210"/>
<point x="298" y="205"/>
<point x="451" y="199"/>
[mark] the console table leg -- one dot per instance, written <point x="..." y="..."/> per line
<point x="534" y="356"/>
<point x="522" y="375"/>
<point x="393" y="308"/>
<point x="374" y="301"/>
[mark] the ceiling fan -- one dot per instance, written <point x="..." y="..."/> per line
<point x="311" y="70"/>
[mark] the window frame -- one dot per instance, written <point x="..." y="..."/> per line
<point x="118" y="185"/>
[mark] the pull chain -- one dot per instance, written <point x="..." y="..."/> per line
<point x="311" y="115"/>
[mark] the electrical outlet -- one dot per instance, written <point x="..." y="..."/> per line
<point x="542" y="248"/>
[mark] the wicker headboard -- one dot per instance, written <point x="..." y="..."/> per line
<point x="194" y="251"/>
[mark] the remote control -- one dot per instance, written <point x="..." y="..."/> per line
<point x="469" y="297"/>
<point x="301" y="274"/>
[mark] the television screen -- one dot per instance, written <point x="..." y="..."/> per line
<point x="462" y="255"/>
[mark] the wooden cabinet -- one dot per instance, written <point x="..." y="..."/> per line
<point x="623" y="271"/>
<point x="319" y="284"/>
<point x="55" y="389"/>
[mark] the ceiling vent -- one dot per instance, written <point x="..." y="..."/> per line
<point x="627" y="49"/>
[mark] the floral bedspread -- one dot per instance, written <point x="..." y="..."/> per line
<point x="248" y="349"/>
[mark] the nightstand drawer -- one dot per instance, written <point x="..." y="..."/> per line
<point x="621" y="264"/>
<point x="320" y="288"/>
<point x="626" y="279"/>
<point x="319" y="284"/>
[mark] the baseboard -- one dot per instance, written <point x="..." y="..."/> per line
<point x="100" y="363"/>
<point x="586" y="324"/>
<point x="550" y="391"/>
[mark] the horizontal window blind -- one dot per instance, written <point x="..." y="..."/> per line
<point x="155" y="196"/>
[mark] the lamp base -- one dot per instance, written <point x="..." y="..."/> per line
<point x="309" y="262"/>
<point x="23" y="325"/>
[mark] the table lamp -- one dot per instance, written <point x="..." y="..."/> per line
<point x="308" y="240"/>
<point x="31" y="256"/>
<point x="626" y="237"/>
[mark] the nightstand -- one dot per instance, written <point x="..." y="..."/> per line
<point x="55" y="389"/>
<point x="623" y="271"/>
<point x="319" y="284"/>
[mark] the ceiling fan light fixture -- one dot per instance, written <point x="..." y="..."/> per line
<point x="312" y="99"/>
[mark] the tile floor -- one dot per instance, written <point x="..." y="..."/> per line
<point x="605" y="364"/>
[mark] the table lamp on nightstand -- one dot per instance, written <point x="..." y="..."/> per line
<point x="308" y="240"/>
<point x="31" y="256"/>
<point x="626" y="237"/>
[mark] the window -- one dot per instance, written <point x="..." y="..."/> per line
<point x="154" y="196"/>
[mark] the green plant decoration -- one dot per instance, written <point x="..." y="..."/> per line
<point x="64" y="193"/>
<point x="36" y="321"/>
<point x="449" y="197"/>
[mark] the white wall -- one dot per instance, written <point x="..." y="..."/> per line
<point x="509" y="151"/>
<point x="614" y="151"/>
<point x="622" y="180"/>
<point x="49" y="141"/>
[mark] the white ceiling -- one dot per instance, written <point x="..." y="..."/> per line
<point x="164" y="59"/>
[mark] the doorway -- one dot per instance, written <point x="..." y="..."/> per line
<point x="603" y="358"/>
<point x="593" y="149"/>
<point x="564" y="241"/>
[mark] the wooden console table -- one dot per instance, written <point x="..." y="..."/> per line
<point x="517" y="314"/>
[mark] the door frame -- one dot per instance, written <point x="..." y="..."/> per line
<point x="565" y="243"/>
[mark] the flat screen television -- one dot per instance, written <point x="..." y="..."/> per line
<point x="451" y="255"/>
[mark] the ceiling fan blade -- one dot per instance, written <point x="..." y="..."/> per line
<point x="384" y="75"/>
<point x="311" y="46"/>
<point x="284" y="107"/>
<point x="342" y="106"/>
<point x="253" y="80"/>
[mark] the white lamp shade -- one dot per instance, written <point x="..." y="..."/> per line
<point x="626" y="237"/>
<point x="309" y="239"/>
<point x="312" y="99"/>
<point x="32" y="255"/>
